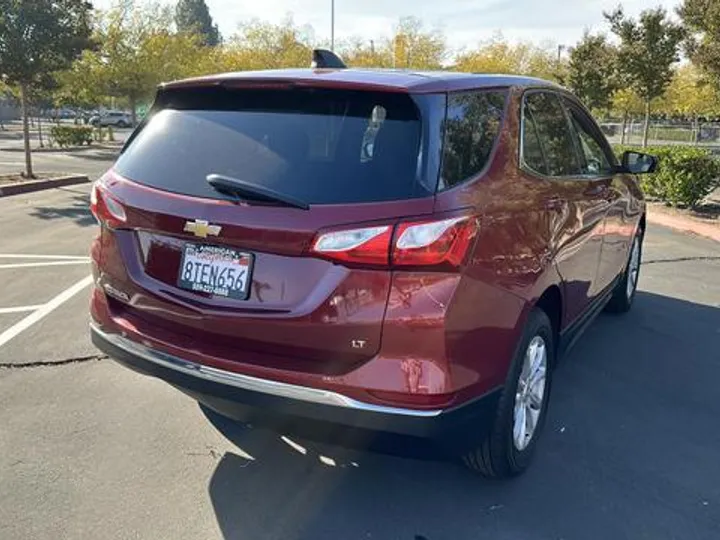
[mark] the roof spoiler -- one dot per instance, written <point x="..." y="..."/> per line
<point x="324" y="59"/>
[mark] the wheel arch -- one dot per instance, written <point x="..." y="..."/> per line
<point x="551" y="303"/>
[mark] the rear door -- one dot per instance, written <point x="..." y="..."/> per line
<point x="229" y="271"/>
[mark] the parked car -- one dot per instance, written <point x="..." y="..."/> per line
<point x="112" y="118"/>
<point x="263" y="254"/>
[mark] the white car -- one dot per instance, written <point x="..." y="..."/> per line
<point x="112" y="118"/>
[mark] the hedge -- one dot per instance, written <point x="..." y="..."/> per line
<point x="66" y="136"/>
<point x="685" y="174"/>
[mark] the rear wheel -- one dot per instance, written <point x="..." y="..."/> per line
<point x="520" y="417"/>
<point x="624" y="292"/>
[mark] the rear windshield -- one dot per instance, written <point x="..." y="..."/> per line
<point x="319" y="146"/>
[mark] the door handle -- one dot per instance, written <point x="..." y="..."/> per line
<point x="554" y="203"/>
<point x="594" y="191"/>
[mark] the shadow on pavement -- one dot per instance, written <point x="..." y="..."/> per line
<point x="629" y="451"/>
<point x="77" y="209"/>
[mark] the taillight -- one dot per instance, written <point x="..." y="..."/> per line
<point x="106" y="209"/>
<point x="368" y="245"/>
<point x="434" y="242"/>
<point x="419" y="243"/>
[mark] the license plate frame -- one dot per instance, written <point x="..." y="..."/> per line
<point x="191" y="278"/>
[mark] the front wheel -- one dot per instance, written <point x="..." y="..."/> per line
<point x="520" y="417"/>
<point x="624" y="292"/>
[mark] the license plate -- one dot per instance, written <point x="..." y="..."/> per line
<point x="215" y="270"/>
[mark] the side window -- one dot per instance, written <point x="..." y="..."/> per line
<point x="553" y="131"/>
<point x="531" y="149"/>
<point x="594" y="159"/>
<point x="471" y="130"/>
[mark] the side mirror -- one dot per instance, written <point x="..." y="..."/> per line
<point x="639" y="163"/>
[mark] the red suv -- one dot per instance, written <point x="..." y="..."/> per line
<point x="394" y="251"/>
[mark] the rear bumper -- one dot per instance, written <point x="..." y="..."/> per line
<point x="244" y="397"/>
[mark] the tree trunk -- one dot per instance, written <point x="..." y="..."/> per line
<point x="646" y="127"/>
<point x="40" y="137"/>
<point x="26" y="131"/>
<point x="696" y="131"/>
<point x="624" y="125"/>
<point x="133" y="110"/>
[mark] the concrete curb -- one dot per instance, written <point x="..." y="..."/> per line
<point x="684" y="224"/>
<point x="18" y="188"/>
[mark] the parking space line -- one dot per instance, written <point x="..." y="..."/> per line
<point x="44" y="310"/>
<point x="39" y="264"/>
<point x="19" y="309"/>
<point x="51" y="257"/>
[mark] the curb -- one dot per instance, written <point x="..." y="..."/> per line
<point x="684" y="224"/>
<point x="37" y="185"/>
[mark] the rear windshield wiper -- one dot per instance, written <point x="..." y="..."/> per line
<point x="247" y="190"/>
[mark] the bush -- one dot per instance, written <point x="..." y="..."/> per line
<point x="685" y="175"/>
<point x="66" y="136"/>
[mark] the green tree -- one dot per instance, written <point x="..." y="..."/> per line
<point x="136" y="52"/>
<point x="38" y="38"/>
<point x="591" y="71"/>
<point x="648" y="49"/>
<point x="702" y="17"/>
<point x="193" y="17"/>
<point x="626" y="102"/>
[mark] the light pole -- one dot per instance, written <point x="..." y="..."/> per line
<point x="332" y="25"/>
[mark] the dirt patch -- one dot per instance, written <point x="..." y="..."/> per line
<point x="18" y="178"/>
<point x="15" y="184"/>
<point x="708" y="212"/>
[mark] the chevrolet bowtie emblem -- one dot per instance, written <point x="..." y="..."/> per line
<point x="202" y="228"/>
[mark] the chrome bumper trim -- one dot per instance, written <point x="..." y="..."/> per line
<point x="254" y="384"/>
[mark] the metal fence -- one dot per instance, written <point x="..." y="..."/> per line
<point x="664" y="133"/>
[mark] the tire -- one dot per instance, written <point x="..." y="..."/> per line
<point x="502" y="454"/>
<point x="624" y="293"/>
<point x="122" y="124"/>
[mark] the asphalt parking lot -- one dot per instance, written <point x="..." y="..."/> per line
<point x="91" y="450"/>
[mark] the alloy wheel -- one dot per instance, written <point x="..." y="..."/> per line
<point x="530" y="393"/>
<point x="633" y="268"/>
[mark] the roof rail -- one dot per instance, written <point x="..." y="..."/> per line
<point x="324" y="59"/>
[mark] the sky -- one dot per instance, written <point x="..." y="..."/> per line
<point x="465" y="23"/>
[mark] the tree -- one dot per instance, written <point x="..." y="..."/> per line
<point x="262" y="45"/>
<point x="626" y="102"/>
<point x="591" y="71"/>
<point x="193" y="17"/>
<point x="690" y="95"/>
<point x="648" y="49"/>
<point x="702" y="17"/>
<point x="38" y="38"/>
<point x="500" y="56"/>
<point x="414" y="47"/>
<point x="136" y="53"/>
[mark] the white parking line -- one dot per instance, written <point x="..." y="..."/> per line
<point x="44" y="310"/>
<point x="19" y="309"/>
<point x="52" y="257"/>
<point x="36" y="264"/>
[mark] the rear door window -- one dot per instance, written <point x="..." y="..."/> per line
<point x="319" y="146"/>
<point x="471" y="129"/>
<point x="553" y="131"/>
